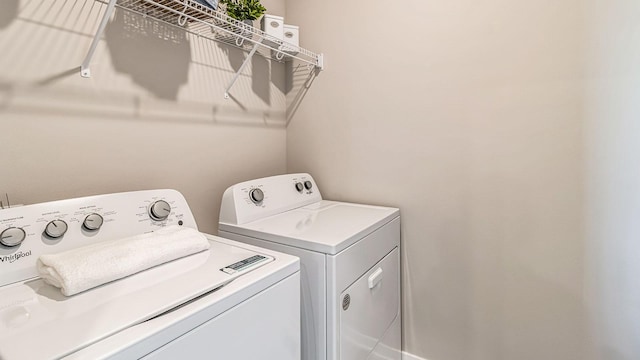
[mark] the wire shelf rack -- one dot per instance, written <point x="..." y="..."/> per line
<point x="211" y="24"/>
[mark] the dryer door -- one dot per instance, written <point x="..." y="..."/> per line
<point x="369" y="307"/>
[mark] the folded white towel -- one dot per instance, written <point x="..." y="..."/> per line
<point x="86" y="267"/>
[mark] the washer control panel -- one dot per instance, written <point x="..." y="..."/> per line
<point x="255" y="199"/>
<point x="29" y="231"/>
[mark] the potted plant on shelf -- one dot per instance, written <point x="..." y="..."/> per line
<point x="245" y="11"/>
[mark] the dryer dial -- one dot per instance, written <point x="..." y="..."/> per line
<point x="56" y="228"/>
<point x="12" y="236"/>
<point x="256" y="195"/>
<point x="308" y="185"/>
<point x="159" y="210"/>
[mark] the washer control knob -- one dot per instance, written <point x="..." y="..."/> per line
<point x="299" y="187"/>
<point x="12" y="236"/>
<point x="56" y="228"/>
<point x="160" y="210"/>
<point x="93" y="222"/>
<point x="308" y="185"/>
<point x="256" y="195"/>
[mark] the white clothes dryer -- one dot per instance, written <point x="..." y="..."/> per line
<point x="350" y="262"/>
<point x="233" y="301"/>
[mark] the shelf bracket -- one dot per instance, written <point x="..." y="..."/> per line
<point x="320" y="62"/>
<point x="85" y="71"/>
<point x="244" y="64"/>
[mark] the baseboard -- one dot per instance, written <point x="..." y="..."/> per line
<point x="408" y="356"/>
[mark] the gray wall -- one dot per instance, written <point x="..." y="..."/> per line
<point x="612" y="153"/>
<point x="151" y="116"/>
<point x="505" y="132"/>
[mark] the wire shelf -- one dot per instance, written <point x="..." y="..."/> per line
<point x="210" y="24"/>
<point x="217" y="26"/>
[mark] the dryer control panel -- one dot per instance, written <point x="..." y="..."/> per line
<point x="26" y="232"/>
<point x="257" y="199"/>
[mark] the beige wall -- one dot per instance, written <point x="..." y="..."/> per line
<point x="506" y="131"/>
<point x="151" y="116"/>
<point x="470" y="117"/>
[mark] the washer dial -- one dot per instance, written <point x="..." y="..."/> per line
<point x="12" y="236"/>
<point x="299" y="186"/>
<point x="308" y="185"/>
<point x="56" y="228"/>
<point x="159" y="210"/>
<point x="256" y="195"/>
<point x="93" y="222"/>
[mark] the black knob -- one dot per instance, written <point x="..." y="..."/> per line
<point x="299" y="186"/>
<point x="256" y="196"/>
<point x="308" y="185"/>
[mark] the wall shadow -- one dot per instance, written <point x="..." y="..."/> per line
<point x="279" y="76"/>
<point x="260" y="79"/>
<point x="8" y="12"/>
<point x="150" y="71"/>
<point x="6" y="93"/>
<point x="57" y="77"/>
<point x="297" y="84"/>
<point x="154" y="54"/>
<point x="235" y="55"/>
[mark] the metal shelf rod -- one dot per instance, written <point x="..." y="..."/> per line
<point x="244" y="64"/>
<point x="85" y="71"/>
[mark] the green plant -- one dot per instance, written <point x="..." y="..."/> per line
<point x="244" y="9"/>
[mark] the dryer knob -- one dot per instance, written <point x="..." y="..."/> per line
<point x="256" y="195"/>
<point x="93" y="222"/>
<point x="12" y="236"/>
<point x="308" y="185"/>
<point x="299" y="186"/>
<point x="159" y="210"/>
<point x="56" y="228"/>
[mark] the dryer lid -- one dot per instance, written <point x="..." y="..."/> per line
<point x="325" y="226"/>
<point x="38" y="322"/>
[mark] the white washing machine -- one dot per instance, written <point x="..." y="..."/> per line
<point x="350" y="262"/>
<point x="233" y="301"/>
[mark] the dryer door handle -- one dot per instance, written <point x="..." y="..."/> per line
<point x="375" y="278"/>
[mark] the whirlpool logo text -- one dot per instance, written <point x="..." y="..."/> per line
<point x="14" y="257"/>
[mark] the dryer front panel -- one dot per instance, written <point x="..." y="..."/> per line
<point x="369" y="307"/>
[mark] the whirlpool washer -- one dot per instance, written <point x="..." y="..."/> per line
<point x="234" y="301"/>
<point x="350" y="262"/>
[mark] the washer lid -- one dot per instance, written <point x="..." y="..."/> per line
<point x="325" y="226"/>
<point x="38" y="322"/>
